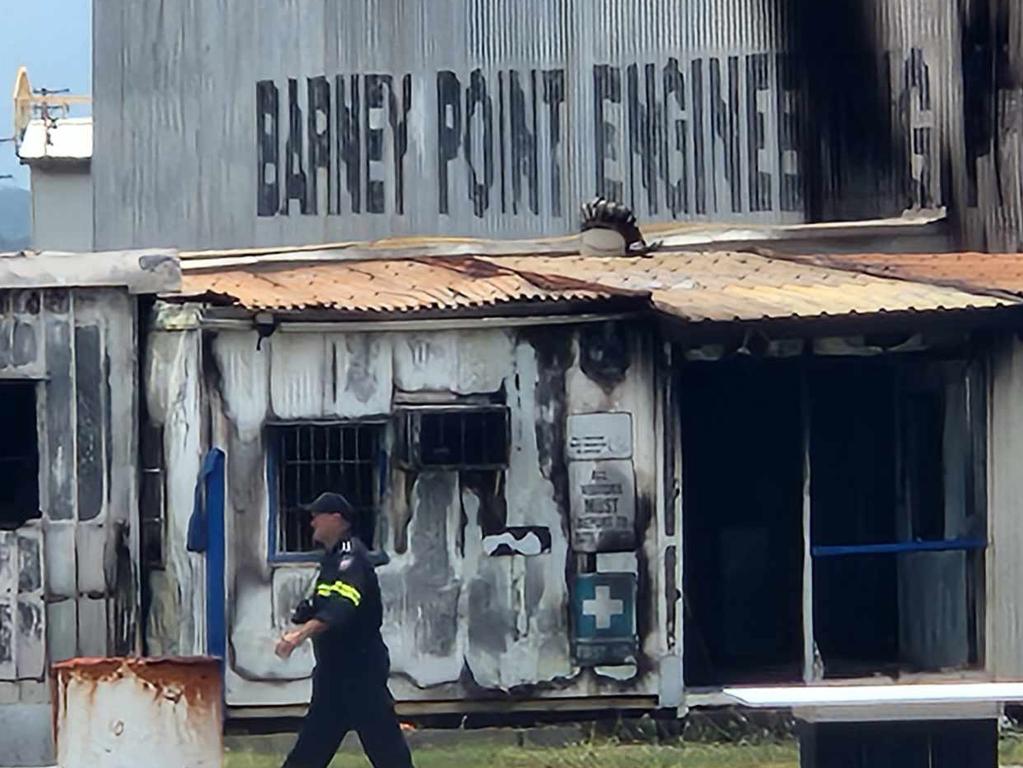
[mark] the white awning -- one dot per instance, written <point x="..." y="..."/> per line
<point x="871" y="695"/>
<point x="909" y="701"/>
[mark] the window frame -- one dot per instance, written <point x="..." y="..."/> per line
<point x="408" y="452"/>
<point x="152" y="477"/>
<point x="275" y="555"/>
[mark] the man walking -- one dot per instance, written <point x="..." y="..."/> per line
<point x="343" y="620"/>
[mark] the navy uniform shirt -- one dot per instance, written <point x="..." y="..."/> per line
<point x="347" y="599"/>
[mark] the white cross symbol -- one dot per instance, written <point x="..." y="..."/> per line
<point x="602" y="607"/>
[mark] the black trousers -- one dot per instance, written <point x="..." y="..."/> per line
<point x="340" y="705"/>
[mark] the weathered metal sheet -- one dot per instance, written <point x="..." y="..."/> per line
<point x="89" y="410"/>
<point x="157" y="712"/>
<point x="93" y="637"/>
<point x="1004" y="628"/>
<point x="58" y="453"/>
<point x="76" y="568"/>
<point x="22" y="620"/>
<point x="21" y="334"/>
<point x="405" y="286"/>
<point x="341" y="120"/>
<point x="711" y="286"/>
<point x="730" y="286"/>
<point x="603" y="495"/>
<point x="451" y="608"/>
<point x="62" y="629"/>
<point x="933" y="631"/>
<point x="91" y="544"/>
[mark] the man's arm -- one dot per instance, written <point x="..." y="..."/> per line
<point x="292" y="639"/>
<point x="338" y="596"/>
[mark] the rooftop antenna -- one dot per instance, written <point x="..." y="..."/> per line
<point x="32" y="102"/>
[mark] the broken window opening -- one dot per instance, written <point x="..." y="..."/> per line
<point x="896" y="533"/>
<point x="897" y="522"/>
<point x="19" y="454"/>
<point x="453" y="437"/>
<point x="309" y="459"/>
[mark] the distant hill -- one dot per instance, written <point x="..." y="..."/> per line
<point x="15" y="218"/>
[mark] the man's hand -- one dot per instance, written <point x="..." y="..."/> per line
<point x="293" y="638"/>
<point x="288" y="643"/>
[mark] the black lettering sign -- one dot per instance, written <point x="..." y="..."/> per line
<point x="523" y="142"/>
<point x="757" y="82"/>
<point x="294" y="174"/>
<point x="674" y="158"/>
<point x="788" y="135"/>
<point x="375" y="85"/>
<point x="699" y="142"/>
<point x="319" y="143"/>
<point x="268" y="168"/>
<point x="679" y="137"/>
<point x="644" y="130"/>
<point x="349" y="139"/>
<point x="725" y="117"/>
<point x="479" y="125"/>
<point x="398" y="117"/>
<point x="449" y="129"/>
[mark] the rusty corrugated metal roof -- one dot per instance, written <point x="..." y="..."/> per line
<point x="391" y="285"/>
<point x="724" y="286"/>
<point x="732" y="286"/>
<point x="997" y="273"/>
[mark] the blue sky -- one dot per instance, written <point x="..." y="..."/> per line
<point x="53" y="38"/>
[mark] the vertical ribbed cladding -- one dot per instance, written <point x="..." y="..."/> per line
<point x="988" y="176"/>
<point x="741" y="110"/>
<point x="846" y="144"/>
<point x="521" y="53"/>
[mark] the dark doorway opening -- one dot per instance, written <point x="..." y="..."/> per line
<point x="742" y="526"/>
<point x="19" y="454"/>
<point x="896" y="533"/>
<point x="853" y="498"/>
<point x="923" y="744"/>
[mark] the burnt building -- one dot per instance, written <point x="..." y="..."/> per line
<point x="743" y="463"/>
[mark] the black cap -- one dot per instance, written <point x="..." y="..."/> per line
<point x="331" y="503"/>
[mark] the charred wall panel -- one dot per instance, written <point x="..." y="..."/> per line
<point x="76" y="349"/>
<point x="464" y="616"/>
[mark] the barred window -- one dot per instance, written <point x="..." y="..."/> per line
<point x="310" y="459"/>
<point x="453" y="437"/>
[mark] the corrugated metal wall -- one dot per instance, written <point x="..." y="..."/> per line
<point x="233" y="123"/>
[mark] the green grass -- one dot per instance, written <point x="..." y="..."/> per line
<point x="1010" y="749"/>
<point x="578" y="756"/>
<point x="603" y="755"/>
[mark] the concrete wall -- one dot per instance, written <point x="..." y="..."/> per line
<point x="62" y="209"/>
